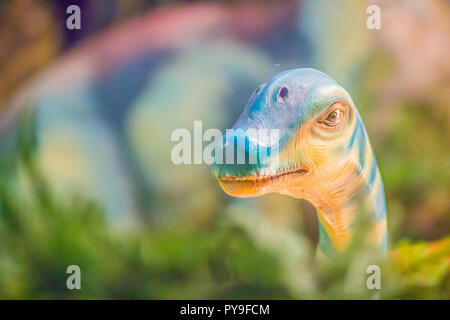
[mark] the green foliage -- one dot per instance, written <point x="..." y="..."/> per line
<point x="40" y="235"/>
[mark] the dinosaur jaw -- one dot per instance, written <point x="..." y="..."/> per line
<point x="258" y="185"/>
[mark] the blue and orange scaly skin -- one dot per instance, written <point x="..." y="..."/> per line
<point x="326" y="160"/>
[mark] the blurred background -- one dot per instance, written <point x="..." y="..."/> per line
<point x="85" y="123"/>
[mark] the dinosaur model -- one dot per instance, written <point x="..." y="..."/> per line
<point x="322" y="155"/>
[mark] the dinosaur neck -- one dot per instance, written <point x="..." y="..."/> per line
<point x="344" y="193"/>
<point x="339" y="210"/>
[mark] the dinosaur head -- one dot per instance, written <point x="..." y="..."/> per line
<point x="299" y="127"/>
<point x="306" y="140"/>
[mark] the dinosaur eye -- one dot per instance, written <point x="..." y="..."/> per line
<point x="283" y="93"/>
<point x="333" y="117"/>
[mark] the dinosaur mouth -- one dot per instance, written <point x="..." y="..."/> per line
<point x="265" y="177"/>
<point x="256" y="184"/>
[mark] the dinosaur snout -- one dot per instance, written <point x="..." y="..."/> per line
<point x="243" y="153"/>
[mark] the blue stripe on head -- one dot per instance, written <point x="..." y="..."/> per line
<point x="373" y="173"/>
<point x="380" y="203"/>
<point x="355" y="136"/>
<point x="362" y="147"/>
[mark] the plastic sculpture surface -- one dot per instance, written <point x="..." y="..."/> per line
<point x="322" y="155"/>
